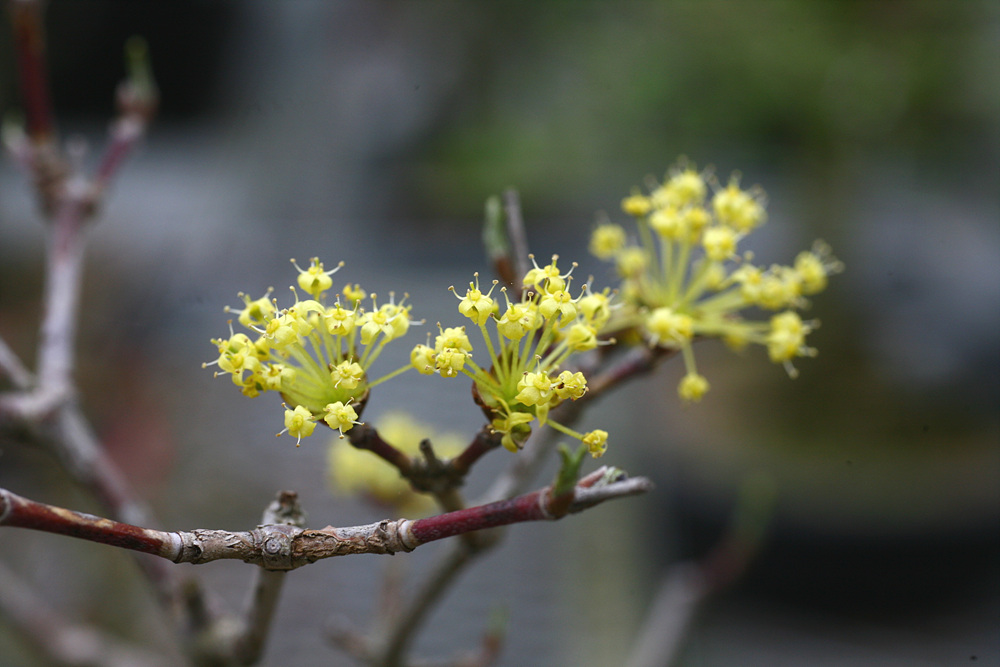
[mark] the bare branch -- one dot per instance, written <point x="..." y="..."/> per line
<point x="12" y="368"/>
<point x="367" y="437"/>
<point x="680" y="594"/>
<point x="689" y="585"/>
<point x="286" y="547"/>
<point x="29" y="47"/>
<point x="433" y="586"/>
<point x="486" y="440"/>
<point x="517" y="235"/>
<point x="265" y="589"/>
<point x="427" y="473"/>
<point x="505" y="240"/>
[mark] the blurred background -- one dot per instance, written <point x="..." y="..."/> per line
<point x="373" y="132"/>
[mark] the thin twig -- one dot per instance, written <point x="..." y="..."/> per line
<point x="485" y="440"/>
<point x="63" y="281"/>
<point x="364" y="436"/>
<point x="679" y="595"/>
<point x="518" y="236"/>
<point x="687" y="586"/>
<point x="29" y="45"/>
<point x="391" y="651"/>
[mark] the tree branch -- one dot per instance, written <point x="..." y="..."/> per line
<point x="364" y="436"/>
<point x="286" y="547"/>
<point x="518" y="236"/>
<point x="266" y="587"/>
<point x="29" y="47"/>
<point x="687" y="586"/>
<point x="486" y="440"/>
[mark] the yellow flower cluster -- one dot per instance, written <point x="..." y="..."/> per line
<point x="358" y="472"/>
<point x="315" y="355"/>
<point x="534" y="337"/>
<point x="684" y="278"/>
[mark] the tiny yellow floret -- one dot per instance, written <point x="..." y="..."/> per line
<point x="452" y="337"/>
<point x="534" y="389"/>
<point x="597" y="442"/>
<point x="570" y="385"/>
<point x="298" y="424"/>
<point x="636" y="205"/>
<point x="353" y="293"/>
<point x="668" y="327"/>
<point x="450" y="361"/>
<point x="787" y="339"/>
<point x="347" y="374"/>
<point x="632" y="261"/>
<point x="720" y="243"/>
<point x="685" y="188"/>
<point x="606" y="240"/>
<point x="692" y="387"/>
<point x="340" y="417"/>
<point x="475" y="305"/>
<point x="422" y="359"/>
<point x="315" y="280"/>
<point x="811" y="271"/>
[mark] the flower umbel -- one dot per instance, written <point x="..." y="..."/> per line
<point x="534" y="337"/>
<point x="316" y="355"/>
<point x="684" y="278"/>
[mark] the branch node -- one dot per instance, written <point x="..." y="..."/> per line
<point x="276" y="545"/>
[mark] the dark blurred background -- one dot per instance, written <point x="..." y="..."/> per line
<point x="373" y="132"/>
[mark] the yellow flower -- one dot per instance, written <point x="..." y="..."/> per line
<point x="347" y="374"/>
<point x="298" y="423"/>
<point x="683" y="279"/>
<point x="534" y="389"/>
<point x="606" y="240"/>
<point x="519" y="319"/>
<point x="450" y="361"/>
<point x="570" y="385"/>
<point x="597" y="443"/>
<point x="524" y="377"/>
<point x="636" y="204"/>
<point x="692" y="387"/>
<point x="422" y="359"/>
<point x="547" y="279"/>
<point x="353" y="293"/>
<point x="309" y="352"/>
<point x="720" y="243"/>
<point x="340" y="416"/>
<point x="668" y="327"/>
<point x="475" y="305"/>
<point x="787" y="339"/>
<point x="738" y="208"/>
<point x="315" y="280"/>
<point x="452" y="337"/>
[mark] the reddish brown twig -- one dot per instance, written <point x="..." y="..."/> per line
<point x="486" y="440"/>
<point x="29" y="46"/>
<point x="364" y="436"/>
<point x="285" y="547"/>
